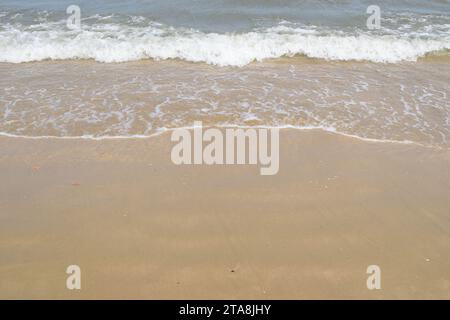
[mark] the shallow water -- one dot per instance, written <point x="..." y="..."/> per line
<point x="256" y="63"/>
<point x="397" y="102"/>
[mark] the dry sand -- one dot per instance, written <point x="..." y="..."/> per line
<point x="141" y="227"/>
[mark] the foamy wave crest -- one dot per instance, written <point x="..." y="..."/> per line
<point x="118" y="43"/>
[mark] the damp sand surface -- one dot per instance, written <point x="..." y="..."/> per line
<point x="141" y="227"/>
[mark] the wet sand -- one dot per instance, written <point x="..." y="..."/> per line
<point x="405" y="101"/>
<point x="141" y="227"/>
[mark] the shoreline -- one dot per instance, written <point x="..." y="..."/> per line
<point x="167" y="131"/>
<point x="439" y="56"/>
<point x="76" y="99"/>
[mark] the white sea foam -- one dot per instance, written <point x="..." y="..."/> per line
<point x="120" y="43"/>
<point x="83" y="101"/>
<point x="141" y="101"/>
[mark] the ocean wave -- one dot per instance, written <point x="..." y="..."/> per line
<point x="111" y="43"/>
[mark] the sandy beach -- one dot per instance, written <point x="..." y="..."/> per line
<point x="140" y="227"/>
<point x="351" y="200"/>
